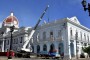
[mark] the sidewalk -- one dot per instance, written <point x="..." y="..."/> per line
<point x="81" y="59"/>
<point x="6" y="58"/>
<point x="3" y="58"/>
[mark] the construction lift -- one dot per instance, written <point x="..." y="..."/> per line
<point x="24" y="52"/>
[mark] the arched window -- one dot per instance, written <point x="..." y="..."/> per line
<point x="16" y="40"/>
<point x="52" y="47"/>
<point x="7" y="42"/>
<point x="72" y="49"/>
<point x="81" y="35"/>
<point x="51" y="34"/>
<point x="38" y="48"/>
<point x="44" y="35"/>
<point x="0" y="42"/>
<point x="88" y="38"/>
<point x="59" y="33"/>
<point x="61" y="48"/>
<point x="84" y="36"/>
<point x="44" y="47"/>
<point x="76" y="36"/>
<point x="32" y="48"/>
<point x="71" y="32"/>
<point x="21" y="38"/>
<point x="38" y="37"/>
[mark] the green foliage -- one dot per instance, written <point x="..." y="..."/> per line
<point x="87" y="50"/>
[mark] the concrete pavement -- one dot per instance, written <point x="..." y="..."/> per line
<point x="5" y="58"/>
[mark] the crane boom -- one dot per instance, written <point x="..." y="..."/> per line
<point x="32" y="32"/>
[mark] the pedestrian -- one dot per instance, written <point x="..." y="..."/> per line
<point x="7" y="54"/>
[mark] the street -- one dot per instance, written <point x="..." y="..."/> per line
<point x="5" y="58"/>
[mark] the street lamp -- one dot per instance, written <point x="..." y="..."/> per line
<point x="84" y="4"/>
<point x="11" y="30"/>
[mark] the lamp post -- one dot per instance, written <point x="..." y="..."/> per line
<point x="84" y="4"/>
<point x="10" y="50"/>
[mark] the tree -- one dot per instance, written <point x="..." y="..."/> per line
<point x="87" y="50"/>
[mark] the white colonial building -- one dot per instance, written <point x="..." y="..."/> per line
<point x="62" y="35"/>
<point x="59" y="34"/>
<point x="20" y="35"/>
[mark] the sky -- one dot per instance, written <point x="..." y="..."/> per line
<point x="29" y="11"/>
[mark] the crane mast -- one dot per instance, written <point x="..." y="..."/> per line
<point x="32" y="32"/>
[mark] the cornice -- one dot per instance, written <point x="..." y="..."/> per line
<point x="79" y="25"/>
<point x="54" y="23"/>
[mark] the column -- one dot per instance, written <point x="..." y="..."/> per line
<point x="80" y="48"/>
<point x="35" y="48"/>
<point x="56" y="46"/>
<point x="41" y="47"/>
<point x="3" y="45"/>
<point x="69" y="49"/>
<point x="74" y="47"/>
<point x="48" y="47"/>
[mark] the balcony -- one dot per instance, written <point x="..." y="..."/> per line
<point x="84" y="40"/>
<point x="74" y="38"/>
<point x="50" y="39"/>
<point x="47" y="39"/>
<point x="59" y="39"/>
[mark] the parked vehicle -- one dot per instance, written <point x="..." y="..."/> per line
<point x="54" y="55"/>
<point x="43" y="54"/>
<point x="46" y="54"/>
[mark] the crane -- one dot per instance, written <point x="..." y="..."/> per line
<point x="33" y="31"/>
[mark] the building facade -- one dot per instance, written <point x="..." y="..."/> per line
<point x="66" y="35"/>
<point x="20" y="35"/>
